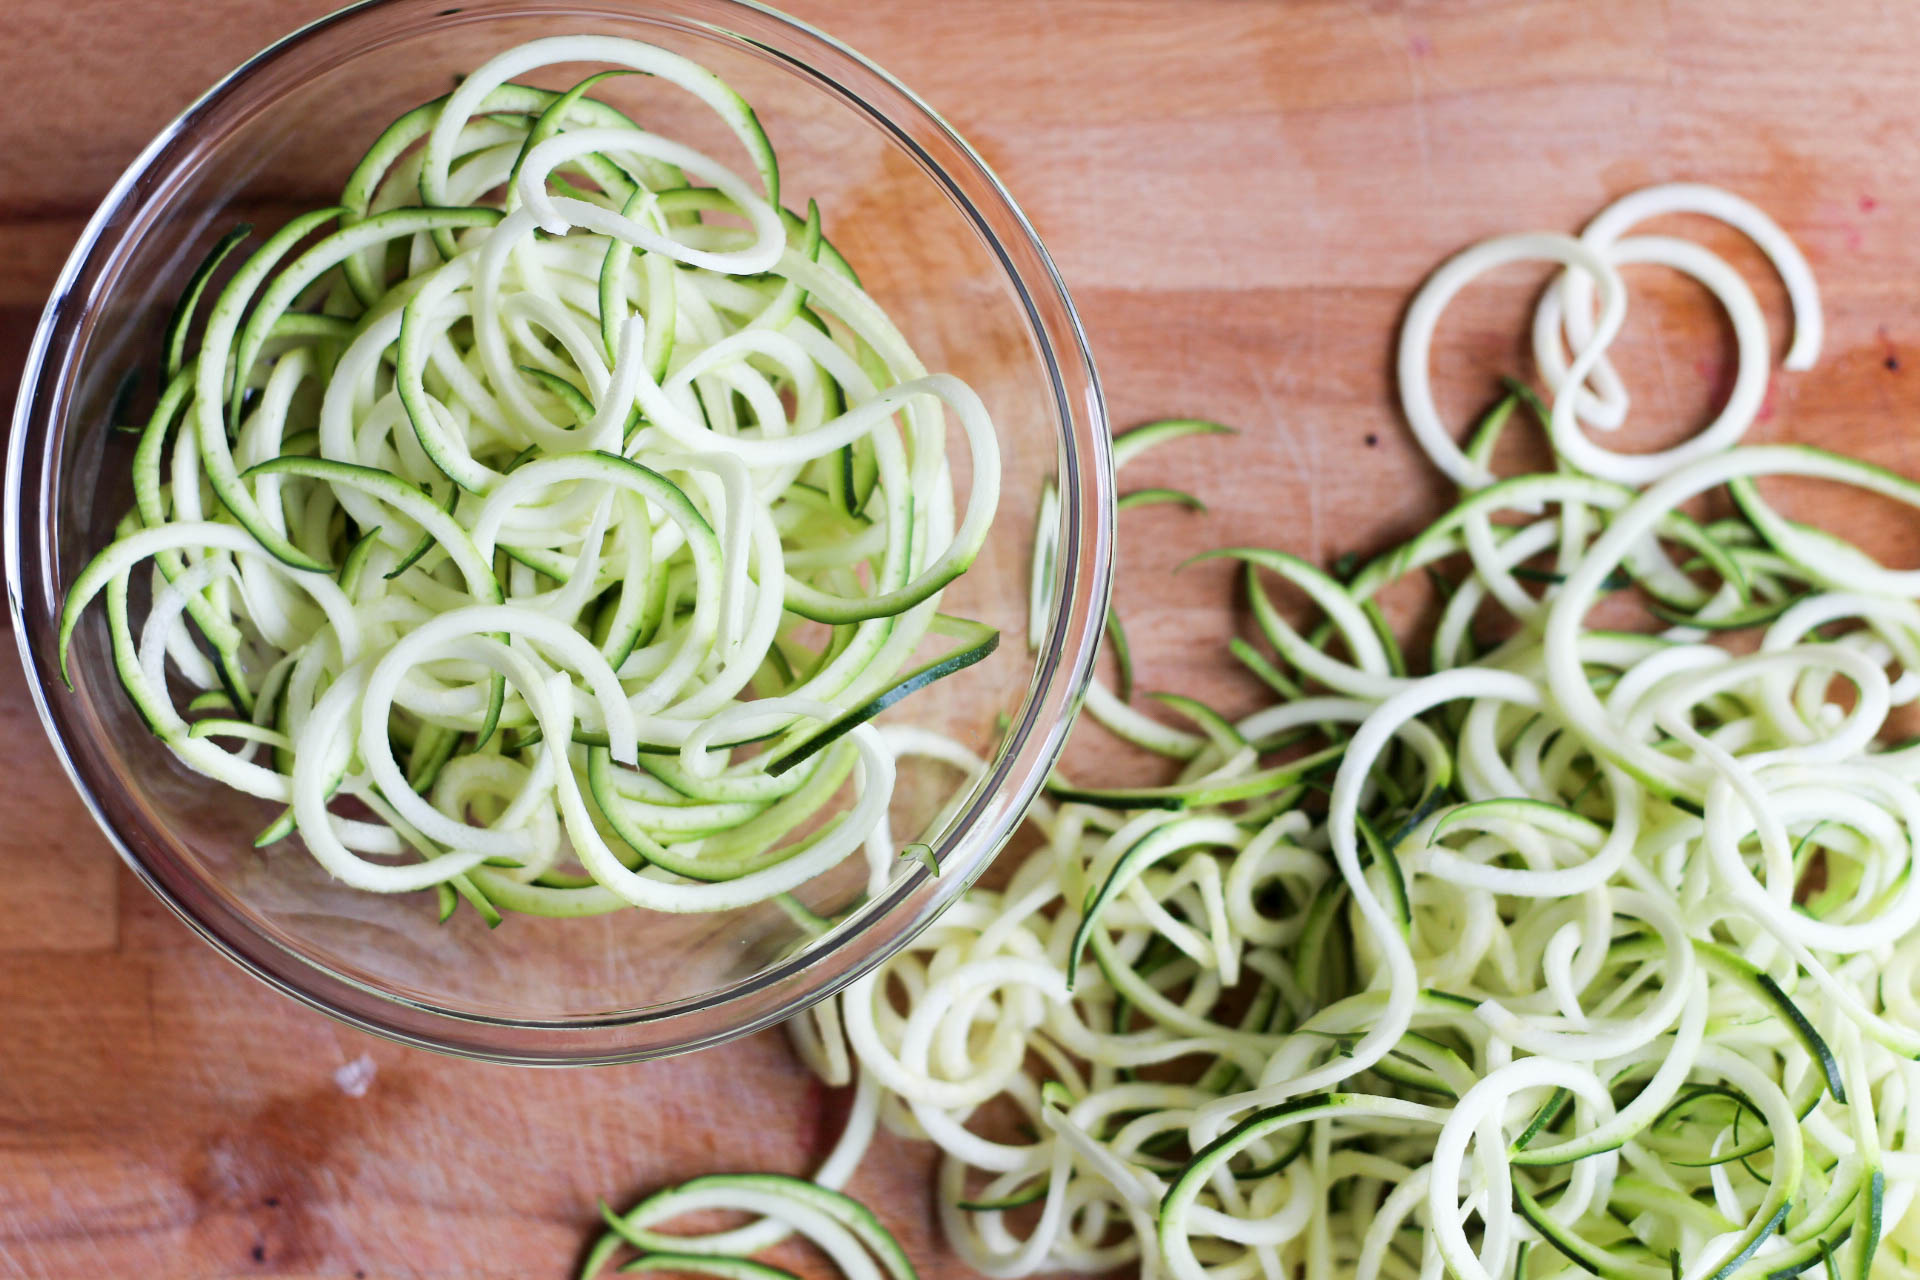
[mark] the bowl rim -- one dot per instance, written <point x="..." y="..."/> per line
<point x="882" y="926"/>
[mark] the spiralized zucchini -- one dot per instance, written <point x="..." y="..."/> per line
<point x="543" y="521"/>
<point x="1551" y="950"/>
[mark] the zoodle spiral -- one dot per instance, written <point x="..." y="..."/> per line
<point x="1584" y="939"/>
<point x="542" y="522"/>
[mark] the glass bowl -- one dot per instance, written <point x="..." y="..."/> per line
<point x="937" y="240"/>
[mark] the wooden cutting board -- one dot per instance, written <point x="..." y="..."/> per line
<point x="1241" y="196"/>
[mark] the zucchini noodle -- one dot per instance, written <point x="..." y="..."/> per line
<point x="543" y="522"/>
<point x="1566" y="951"/>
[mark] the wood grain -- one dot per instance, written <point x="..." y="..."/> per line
<point x="1242" y="195"/>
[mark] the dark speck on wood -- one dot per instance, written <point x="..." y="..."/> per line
<point x="1893" y="364"/>
<point x="259" y="1253"/>
<point x="1372" y="439"/>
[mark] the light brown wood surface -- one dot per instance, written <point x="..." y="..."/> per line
<point x="1241" y="196"/>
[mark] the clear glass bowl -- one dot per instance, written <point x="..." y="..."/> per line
<point x="937" y="240"/>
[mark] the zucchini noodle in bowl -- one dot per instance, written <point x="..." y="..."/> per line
<point x="536" y="590"/>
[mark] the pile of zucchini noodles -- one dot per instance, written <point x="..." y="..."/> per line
<point x="508" y="496"/>
<point x="1585" y="951"/>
